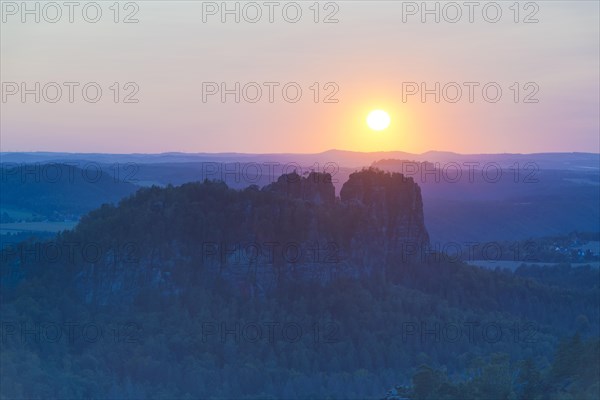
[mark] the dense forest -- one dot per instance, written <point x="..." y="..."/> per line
<point x="426" y="329"/>
<point x="573" y="374"/>
<point x="482" y="334"/>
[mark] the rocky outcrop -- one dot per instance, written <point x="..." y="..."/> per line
<point x="392" y="202"/>
<point x="316" y="188"/>
<point x="172" y="239"/>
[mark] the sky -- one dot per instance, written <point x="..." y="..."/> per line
<point x="163" y="75"/>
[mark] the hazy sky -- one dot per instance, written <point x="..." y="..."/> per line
<point x="373" y="57"/>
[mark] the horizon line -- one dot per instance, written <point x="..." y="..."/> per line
<point x="291" y="153"/>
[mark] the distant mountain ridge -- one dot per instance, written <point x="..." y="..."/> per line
<point x="538" y="194"/>
<point x="342" y="157"/>
<point x="59" y="191"/>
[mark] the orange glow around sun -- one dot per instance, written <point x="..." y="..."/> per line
<point x="380" y="126"/>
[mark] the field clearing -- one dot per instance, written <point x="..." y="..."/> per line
<point x="17" y="213"/>
<point x="17" y="227"/>
<point x="513" y="265"/>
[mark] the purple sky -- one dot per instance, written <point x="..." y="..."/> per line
<point x="369" y="59"/>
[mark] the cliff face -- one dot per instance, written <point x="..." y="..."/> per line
<point x="392" y="203"/>
<point x="295" y="229"/>
<point x="387" y="206"/>
<point x="316" y="188"/>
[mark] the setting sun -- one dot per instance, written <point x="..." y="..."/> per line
<point x="378" y="120"/>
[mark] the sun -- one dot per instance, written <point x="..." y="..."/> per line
<point x="378" y="120"/>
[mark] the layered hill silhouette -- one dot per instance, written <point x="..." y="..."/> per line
<point x="538" y="194"/>
<point x="57" y="191"/>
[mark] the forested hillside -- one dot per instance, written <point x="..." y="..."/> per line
<point x="111" y="318"/>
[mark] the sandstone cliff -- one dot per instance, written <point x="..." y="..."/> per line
<point x="173" y="239"/>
